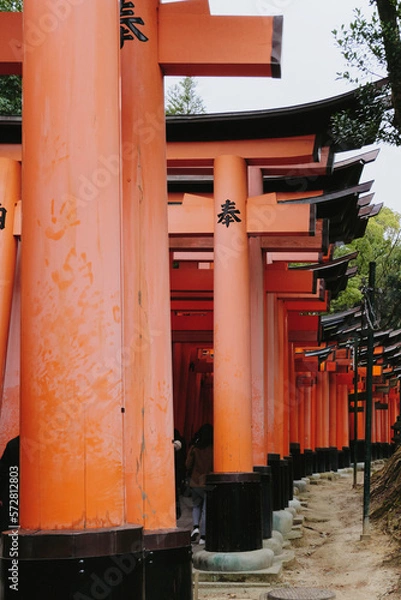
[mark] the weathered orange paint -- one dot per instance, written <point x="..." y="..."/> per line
<point x="191" y="42"/>
<point x="257" y="345"/>
<point x="71" y="381"/>
<point x="150" y="491"/>
<point x="10" y="194"/>
<point x="232" y="344"/>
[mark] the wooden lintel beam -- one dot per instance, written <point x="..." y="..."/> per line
<point x="289" y="281"/>
<point x="191" y="41"/>
<point x="196" y="215"/>
<point x="304" y="170"/>
<point x="257" y="152"/>
<point x="194" y="43"/>
<point x="308" y="305"/>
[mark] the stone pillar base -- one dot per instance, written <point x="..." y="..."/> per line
<point x="233" y="561"/>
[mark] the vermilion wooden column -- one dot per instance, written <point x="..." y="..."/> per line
<point x="71" y="393"/>
<point x="319" y="411"/>
<point x="10" y="194"/>
<point x="301" y="416"/>
<point x="72" y="459"/>
<point x="333" y="410"/>
<point x="273" y="440"/>
<point x="257" y="356"/>
<point x="284" y="384"/>
<point x="313" y="415"/>
<point x="342" y="416"/>
<point x="325" y="410"/>
<point x="292" y="397"/>
<point x="232" y="359"/>
<point x="256" y="262"/>
<point x="308" y="416"/>
<point x="150" y="489"/>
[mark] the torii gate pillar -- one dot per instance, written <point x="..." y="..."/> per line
<point x="74" y="540"/>
<point x="233" y="483"/>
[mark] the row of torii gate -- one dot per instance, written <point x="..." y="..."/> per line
<point x="102" y="279"/>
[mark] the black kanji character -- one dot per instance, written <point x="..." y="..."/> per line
<point x="3" y="212"/>
<point x="229" y="213"/>
<point x="128" y="24"/>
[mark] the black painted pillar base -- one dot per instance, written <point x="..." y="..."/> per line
<point x="298" y="471"/>
<point x="273" y="461"/>
<point x="168" y="564"/>
<point x="333" y="458"/>
<point x="321" y="462"/>
<point x="233" y="512"/>
<point x="267" y="500"/>
<point x="73" y="564"/>
<point x="344" y="458"/>
<point x="290" y="463"/>
<point x="308" y="454"/>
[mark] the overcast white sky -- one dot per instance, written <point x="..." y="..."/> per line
<point x="310" y="62"/>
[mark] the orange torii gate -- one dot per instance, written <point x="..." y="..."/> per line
<point x="95" y="428"/>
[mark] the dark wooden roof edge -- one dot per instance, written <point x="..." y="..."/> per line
<point x="327" y="265"/>
<point x="364" y="158"/>
<point x="300" y="119"/>
<point x="351" y="191"/>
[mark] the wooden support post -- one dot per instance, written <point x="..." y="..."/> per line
<point x="72" y="457"/>
<point x="71" y="392"/>
<point x="342" y="416"/>
<point x="259" y="426"/>
<point x="232" y="368"/>
<point x="308" y="417"/>
<point x="333" y="410"/>
<point x="319" y="411"/>
<point x="150" y="490"/>
<point x="10" y="194"/>
<point x="326" y="410"/>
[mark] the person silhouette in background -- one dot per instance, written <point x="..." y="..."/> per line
<point x="200" y="463"/>
<point x="179" y="468"/>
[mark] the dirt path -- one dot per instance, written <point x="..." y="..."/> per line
<point x="330" y="553"/>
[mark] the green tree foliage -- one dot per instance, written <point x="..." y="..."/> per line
<point x="10" y="85"/>
<point x="380" y="244"/>
<point x="11" y="5"/>
<point x="182" y="99"/>
<point x="371" y="46"/>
